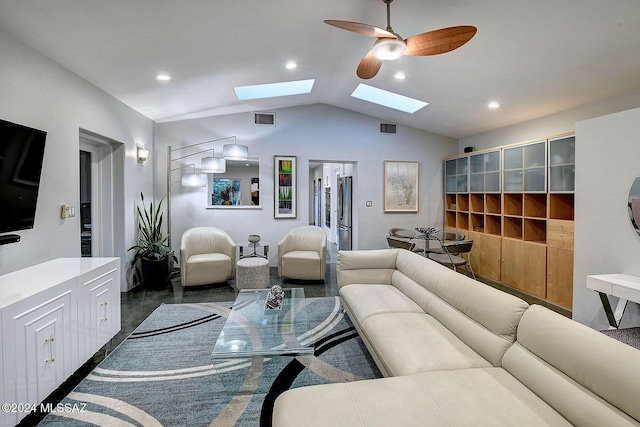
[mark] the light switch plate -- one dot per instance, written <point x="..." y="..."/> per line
<point x="369" y="203"/>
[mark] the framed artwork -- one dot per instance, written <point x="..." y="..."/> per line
<point x="225" y="192"/>
<point x="401" y="186"/>
<point x="285" y="174"/>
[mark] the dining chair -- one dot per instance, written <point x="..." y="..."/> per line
<point x="456" y="254"/>
<point x="395" y="241"/>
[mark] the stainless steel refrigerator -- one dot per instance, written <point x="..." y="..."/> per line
<point x="344" y="212"/>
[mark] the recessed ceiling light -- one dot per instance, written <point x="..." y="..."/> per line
<point x="291" y="65"/>
<point x="272" y="90"/>
<point x="493" y="105"/>
<point x="400" y="75"/>
<point x="163" y="77"/>
<point x="388" y="99"/>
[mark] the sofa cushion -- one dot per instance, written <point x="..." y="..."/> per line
<point x="407" y="343"/>
<point x="303" y="265"/>
<point x="366" y="266"/>
<point x="362" y="301"/>
<point x="586" y="376"/>
<point x="468" y="397"/>
<point x="483" y="317"/>
<point x="209" y="268"/>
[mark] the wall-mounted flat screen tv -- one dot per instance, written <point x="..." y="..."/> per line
<point x="21" y="155"/>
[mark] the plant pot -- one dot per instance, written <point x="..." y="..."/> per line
<point x="155" y="273"/>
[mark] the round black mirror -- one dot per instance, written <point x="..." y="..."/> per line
<point x="634" y="204"/>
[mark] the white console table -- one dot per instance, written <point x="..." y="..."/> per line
<point x="623" y="286"/>
<point x="54" y="317"/>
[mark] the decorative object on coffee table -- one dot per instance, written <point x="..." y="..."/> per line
<point x="253" y="238"/>
<point x="275" y="298"/>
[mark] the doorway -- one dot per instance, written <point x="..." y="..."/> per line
<point x="324" y="177"/>
<point x="101" y="187"/>
<point x="86" y="238"/>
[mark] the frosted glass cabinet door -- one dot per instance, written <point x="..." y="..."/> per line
<point x="535" y="155"/>
<point x="492" y="182"/>
<point x="513" y="180"/>
<point x="525" y="168"/>
<point x="450" y="176"/>
<point x="562" y="157"/>
<point x="476" y="182"/>
<point x="492" y="161"/>
<point x="484" y="176"/>
<point x="456" y="175"/>
<point x="512" y="158"/>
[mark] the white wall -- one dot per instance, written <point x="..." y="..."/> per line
<point x="37" y="92"/>
<point x="607" y="162"/>
<point x="314" y="132"/>
<point x="553" y="124"/>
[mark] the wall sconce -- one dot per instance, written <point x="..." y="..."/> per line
<point x="143" y="154"/>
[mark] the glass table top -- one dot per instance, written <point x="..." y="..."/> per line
<point x="253" y="330"/>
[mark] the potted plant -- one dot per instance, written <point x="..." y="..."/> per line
<point x="153" y="256"/>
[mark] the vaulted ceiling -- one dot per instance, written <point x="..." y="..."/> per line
<point x="534" y="58"/>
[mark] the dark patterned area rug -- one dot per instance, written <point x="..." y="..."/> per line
<point x="162" y="375"/>
<point x="630" y="336"/>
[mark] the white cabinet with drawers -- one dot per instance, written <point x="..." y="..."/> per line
<point x="53" y="317"/>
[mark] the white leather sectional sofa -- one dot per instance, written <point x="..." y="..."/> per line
<point x="456" y="352"/>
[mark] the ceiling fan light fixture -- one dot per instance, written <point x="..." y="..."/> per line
<point x="388" y="49"/>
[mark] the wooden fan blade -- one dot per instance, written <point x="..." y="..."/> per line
<point x="369" y="66"/>
<point x="357" y="27"/>
<point x="439" y="41"/>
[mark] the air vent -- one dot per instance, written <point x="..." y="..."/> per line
<point x="388" y="128"/>
<point x="265" y="119"/>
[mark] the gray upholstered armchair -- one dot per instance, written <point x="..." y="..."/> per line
<point x="302" y="253"/>
<point x="207" y="255"/>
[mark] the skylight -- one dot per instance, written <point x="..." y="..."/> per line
<point x="388" y="99"/>
<point x="271" y="90"/>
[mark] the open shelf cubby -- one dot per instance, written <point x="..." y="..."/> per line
<point x="492" y="204"/>
<point x="463" y="221"/>
<point x="477" y="222"/>
<point x="477" y="202"/>
<point x="535" y="230"/>
<point x="535" y="205"/>
<point x="462" y="202"/>
<point x="492" y="225"/>
<point x="513" y="204"/>
<point x="512" y="227"/>
<point x="450" y="219"/>
<point x="450" y="202"/>
<point x="561" y="206"/>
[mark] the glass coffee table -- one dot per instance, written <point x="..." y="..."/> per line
<point x="255" y="338"/>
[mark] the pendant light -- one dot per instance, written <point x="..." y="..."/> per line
<point x="235" y="151"/>
<point x="214" y="164"/>
<point x="193" y="180"/>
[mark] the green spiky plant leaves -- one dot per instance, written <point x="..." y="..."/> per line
<point x="152" y="244"/>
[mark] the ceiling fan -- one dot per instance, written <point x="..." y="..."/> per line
<point x="391" y="45"/>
